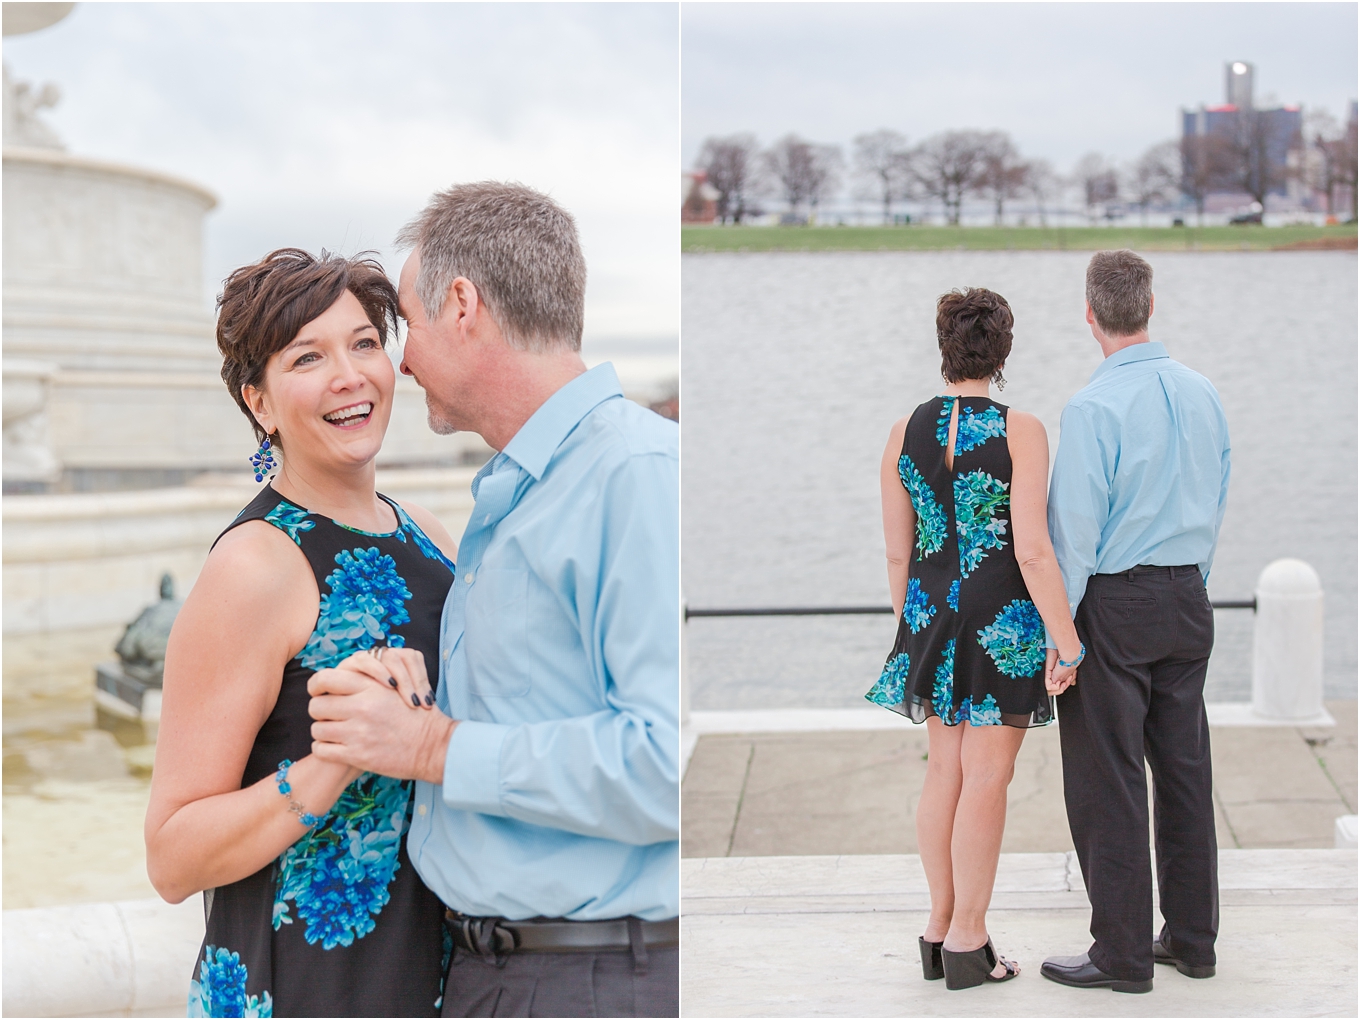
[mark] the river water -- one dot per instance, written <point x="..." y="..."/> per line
<point x="795" y="366"/>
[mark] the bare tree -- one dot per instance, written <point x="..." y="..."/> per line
<point x="1251" y="166"/>
<point x="1333" y="164"/>
<point x="730" y="165"/>
<point x="804" y="172"/>
<point x="1203" y="162"/>
<point x="882" y="162"/>
<point x="948" y="167"/>
<point x="1099" y="183"/>
<point x="1154" y="175"/>
<point x="1002" y="174"/>
<point x="1041" y="184"/>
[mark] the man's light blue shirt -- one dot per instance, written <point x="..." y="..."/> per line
<point x="1141" y="472"/>
<point x="560" y="657"/>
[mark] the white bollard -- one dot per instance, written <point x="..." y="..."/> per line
<point x="1345" y="832"/>
<point x="1286" y="665"/>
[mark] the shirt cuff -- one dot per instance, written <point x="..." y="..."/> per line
<point x="1048" y="640"/>
<point x="472" y="767"/>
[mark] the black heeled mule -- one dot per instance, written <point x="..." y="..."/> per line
<point x="931" y="967"/>
<point x="967" y="970"/>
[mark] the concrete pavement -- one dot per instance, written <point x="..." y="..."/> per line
<point x="855" y="792"/>
<point x="836" y="936"/>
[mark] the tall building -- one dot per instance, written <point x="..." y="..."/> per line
<point x="1252" y="144"/>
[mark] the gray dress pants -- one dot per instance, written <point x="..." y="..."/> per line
<point x="564" y="984"/>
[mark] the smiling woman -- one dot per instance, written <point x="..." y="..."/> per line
<point x="310" y="894"/>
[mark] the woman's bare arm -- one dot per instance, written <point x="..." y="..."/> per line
<point x="899" y="519"/>
<point x="1028" y="443"/>
<point x="251" y="610"/>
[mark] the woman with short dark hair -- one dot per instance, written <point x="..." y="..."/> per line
<point x="313" y="907"/>
<point x="974" y="583"/>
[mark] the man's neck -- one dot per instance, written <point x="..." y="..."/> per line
<point x="522" y="384"/>
<point x="1113" y="344"/>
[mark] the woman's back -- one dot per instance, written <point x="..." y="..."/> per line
<point x="970" y="642"/>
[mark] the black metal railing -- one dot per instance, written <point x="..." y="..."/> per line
<point x="875" y="610"/>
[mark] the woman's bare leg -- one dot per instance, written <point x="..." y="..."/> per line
<point x="935" y="813"/>
<point x="987" y="755"/>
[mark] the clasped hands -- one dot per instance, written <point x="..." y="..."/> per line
<point x="375" y="711"/>
<point x="1057" y="678"/>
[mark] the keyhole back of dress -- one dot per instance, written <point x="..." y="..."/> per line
<point x="953" y="434"/>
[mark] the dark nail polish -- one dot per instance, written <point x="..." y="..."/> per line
<point x="393" y="681"/>
<point x="415" y="701"/>
<point x="429" y="699"/>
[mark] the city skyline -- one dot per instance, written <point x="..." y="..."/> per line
<point x="830" y="73"/>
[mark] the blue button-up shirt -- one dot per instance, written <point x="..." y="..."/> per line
<point x="1141" y="472"/>
<point x="560" y="656"/>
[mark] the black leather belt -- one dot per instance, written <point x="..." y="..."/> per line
<point x="1146" y="568"/>
<point x="496" y="936"/>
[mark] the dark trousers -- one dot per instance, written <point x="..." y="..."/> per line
<point x="564" y="984"/>
<point x="1140" y="692"/>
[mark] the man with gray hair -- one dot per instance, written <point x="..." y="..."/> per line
<point x="1139" y="485"/>
<point x="547" y="816"/>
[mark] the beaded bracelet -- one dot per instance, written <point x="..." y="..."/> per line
<point x="305" y="817"/>
<point x="1074" y="665"/>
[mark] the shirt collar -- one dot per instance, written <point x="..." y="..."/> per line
<point x="1148" y="351"/>
<point x="538" y="438"/>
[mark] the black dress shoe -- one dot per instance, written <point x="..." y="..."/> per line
<point x="1160" y="954"/>
<point x="1080" y="972"/>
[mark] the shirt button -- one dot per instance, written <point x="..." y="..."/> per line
<point x="420" y="810"/>
<point x="468" y="578"/>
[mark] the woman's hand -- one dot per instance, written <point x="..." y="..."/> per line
<point x="401" y="669"/>
<point x="1058" y="678"/>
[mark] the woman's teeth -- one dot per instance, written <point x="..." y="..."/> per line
<point x="349" y="415"/>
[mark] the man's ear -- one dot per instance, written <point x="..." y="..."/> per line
<point x="1152" y="303"/>
<point x="1090" y="315"/>
<point x="462" y="305"/>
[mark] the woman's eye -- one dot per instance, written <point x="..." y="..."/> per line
<point x="368" y="342"/>
<point x="306" y="359"/>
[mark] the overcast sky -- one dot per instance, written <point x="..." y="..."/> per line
<point x="1063" y="78"/>
<point x="331" y="124"/>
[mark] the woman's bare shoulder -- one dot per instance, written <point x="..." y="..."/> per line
<point x="1025" y="426"/>
<point x="433" y="527"/>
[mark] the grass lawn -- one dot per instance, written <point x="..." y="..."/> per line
<point x="696" y="239"/>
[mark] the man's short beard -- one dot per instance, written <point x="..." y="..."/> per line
<point x="439" y="425"/>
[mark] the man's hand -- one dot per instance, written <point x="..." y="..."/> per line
<point x="363" y="724"/>
<point x="402" y="669"/>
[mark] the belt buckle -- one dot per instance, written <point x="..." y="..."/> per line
<point x="486" y="936"/>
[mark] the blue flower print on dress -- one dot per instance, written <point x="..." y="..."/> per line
<point x="976" y="429"/>
<point x="942" y="692"/>
<point x="337" y="875"/>
<point x="986" y="714"/>
<point x="953" y="597"/>
<point x="221" y="988"/>
<point x="290" y="519"/>
<point x="1015" y="639"/>
<point x="428" y="548"/>
<point x="917" y="610"/>
<point x="978" y="498"/>
<point x="366" y="600"/>
<point x="931" y="523"/>
<point x="942" y="422"/>
<point x="892" y="683"/>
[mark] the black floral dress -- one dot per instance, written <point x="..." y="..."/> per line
<point x="970" y="644"/>
<point x="339" y="924"/>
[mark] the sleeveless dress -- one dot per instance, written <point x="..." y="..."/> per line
<point x="970" y="644"/>
<point x="339" y="924"/>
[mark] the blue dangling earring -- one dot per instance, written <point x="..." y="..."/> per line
<point x="263" y="460"/>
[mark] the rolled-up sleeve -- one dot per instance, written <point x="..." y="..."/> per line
<point x="613" y="773"/>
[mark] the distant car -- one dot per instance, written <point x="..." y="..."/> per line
<point x="1246" y="217"/>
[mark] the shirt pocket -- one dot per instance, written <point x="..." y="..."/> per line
<point x="496" y="633"/>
